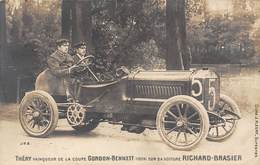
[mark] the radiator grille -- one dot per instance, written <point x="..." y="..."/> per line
<point x="157" y="89"/>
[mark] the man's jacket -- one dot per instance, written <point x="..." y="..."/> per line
<point x="59" y="63"/>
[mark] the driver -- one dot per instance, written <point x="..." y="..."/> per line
<point x="61" y="65"/>
<point x="80" y="50"/>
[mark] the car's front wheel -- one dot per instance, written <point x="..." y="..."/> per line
<point x="182" y="122"/>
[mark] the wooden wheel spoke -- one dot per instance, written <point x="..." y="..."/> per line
<point x="193" y="124"/>
<point x="170" y="122"/>
<point x="44" y="105"/>
<point x="28" y="113"/>
<point x="171" y="130"/>
<point x="179" y="110"/>
<point x="192" y="132"/>
<point x="31" y="123"/>
<point x="30" y="120"/>
<point x="44" y="108"/>
<point x="38" y="102"/>
<point x="185" y="110"/>
<point x="185" y="137"/>
<point x="34" y="123"/>
<point x="46" y="114"/>
<point x="33" y="104"/>
<point x="178" y="135"/>
<point x="31" y="107"/>
<point x="217" y="131"/>
<point x="191" y="116"/>
<point x="224" y="128"/>
<point x="174" y="116"/>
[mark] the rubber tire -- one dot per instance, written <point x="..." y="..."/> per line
<point x="55" y="113"/>
<point x="86" y="128"/>
<point x="193" y="102"/>
<point x="235" y="107"/>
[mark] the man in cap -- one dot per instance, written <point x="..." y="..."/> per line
<point x="97" y="69"/>
<point x="61" y="65"/>
<point x="80" y="50"/>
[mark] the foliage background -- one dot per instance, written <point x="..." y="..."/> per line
<point x="132" y="32"/>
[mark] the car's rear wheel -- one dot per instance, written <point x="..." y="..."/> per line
<point x="182" y="122"/>
<point x="87" y="126"/>
<point x="38" y="114"/>
<point x="224" y="130"/>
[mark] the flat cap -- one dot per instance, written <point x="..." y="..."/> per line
<point x="80" y="44"/>
<point x="61" y="41"/>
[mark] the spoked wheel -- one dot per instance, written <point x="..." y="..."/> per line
<point x="182" y="122"/>
<point x="222" y="131"/>
<point x="87" y="127"/>
<point x="38" y="114"/>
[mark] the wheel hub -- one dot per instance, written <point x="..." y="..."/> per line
<point x="181" y="122"/>
<point x="36" y="114"/>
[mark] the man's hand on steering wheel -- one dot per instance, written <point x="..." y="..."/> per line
<point x="81" y="66"/>
<point x="88" y="60"/>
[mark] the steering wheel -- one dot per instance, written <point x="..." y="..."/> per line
<point x="85" y="62"/>
<point x="88" y="60"/>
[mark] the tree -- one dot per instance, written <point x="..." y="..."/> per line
<point x="77" y="21"/>
<point x="82" y="22"/>
<point x="66" y="18"/>
<point x="176" y="56"/>
<point x="2" y="48"/>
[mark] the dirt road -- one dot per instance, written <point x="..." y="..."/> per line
<point x="108" y="141"/>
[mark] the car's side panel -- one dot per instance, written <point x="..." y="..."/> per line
<point x="50" y="83"/>
<point x="105" y="98"/>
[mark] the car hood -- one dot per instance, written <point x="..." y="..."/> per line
<point x="161" y="75"/>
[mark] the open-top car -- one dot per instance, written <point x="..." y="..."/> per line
<point x="184" y="106"/>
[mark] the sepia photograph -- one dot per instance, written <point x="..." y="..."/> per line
<point x="143" y="82"/>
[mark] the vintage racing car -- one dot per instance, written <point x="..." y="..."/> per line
<point x="184" y="106"/>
